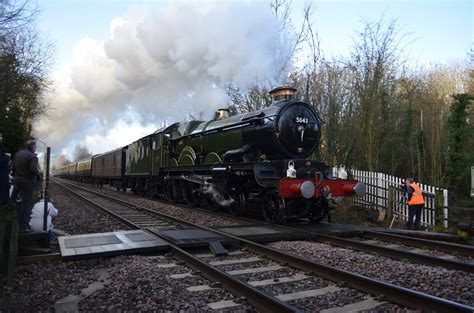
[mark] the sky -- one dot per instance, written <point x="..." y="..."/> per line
<point x="98" y="42"/>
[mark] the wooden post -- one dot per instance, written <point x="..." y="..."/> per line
<point x="46" y="190"/>
<point x="13" y="250"/>
<point x="3" y="241"/>
<point x="8" y="241"/>
<point x="390" y="201"/>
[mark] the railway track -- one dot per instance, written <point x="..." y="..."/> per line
<point x="253" y="258"/>
<point x="419" y="251"/>
<point x="416" y="250"/>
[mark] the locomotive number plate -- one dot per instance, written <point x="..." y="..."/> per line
<point x="303" y="120"/>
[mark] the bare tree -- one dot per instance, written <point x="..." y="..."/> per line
<point x="375" y="62"/>
<point x="24" y="60"/>
<point x="81" y="152"/>
<point x="254" y="99"/>
<point x="62" y="160"/>
<point x="14" y="15"/>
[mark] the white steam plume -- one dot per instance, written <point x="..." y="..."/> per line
<point x="163" y="65"/>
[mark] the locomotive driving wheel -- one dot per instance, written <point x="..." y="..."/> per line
<point x="172" y="191"/>
<point x="274" y="209"/>
<point x="237" y="208"/>
<point x="190" y="193"/>
<point x="168" y="190"/>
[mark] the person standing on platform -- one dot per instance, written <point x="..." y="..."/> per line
<point x="4" y="178"/>
<point x="415" y="203"/>
<point x="26" y="174"/>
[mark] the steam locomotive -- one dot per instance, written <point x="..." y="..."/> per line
<point x="249" y="163"/>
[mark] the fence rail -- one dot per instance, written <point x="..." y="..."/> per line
<point x="383" y="193"/>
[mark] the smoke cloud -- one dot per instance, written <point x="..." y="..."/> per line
<point x="163" y="65"/>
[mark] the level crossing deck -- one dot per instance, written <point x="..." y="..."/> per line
<point x="109" y="244"/>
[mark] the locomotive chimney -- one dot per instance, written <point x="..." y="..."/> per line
<point x="221" y="114"/>
<point x="282" y="93"/>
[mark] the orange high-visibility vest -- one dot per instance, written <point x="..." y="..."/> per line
<point x="417" y="195"/>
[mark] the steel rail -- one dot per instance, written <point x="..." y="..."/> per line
<point x="427" y="235"/>
<point x="423" y="243"/>
<point x="258" y="299"/>
<point x="394" y="293"/>
<point x="385" y="251"/>
<point x="361" y="246"/>
<point x="397" y="254"/>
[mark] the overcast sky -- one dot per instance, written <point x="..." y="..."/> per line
<point x="88" y="33"/>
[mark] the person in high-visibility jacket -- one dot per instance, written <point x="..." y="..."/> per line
<point x="415" y="202"/>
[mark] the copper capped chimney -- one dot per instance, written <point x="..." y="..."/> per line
<point x="222" y="114"/>
<point x="282" y="93"/>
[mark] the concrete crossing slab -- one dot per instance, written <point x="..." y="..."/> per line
<point x="108" y="244"/>
<point x="264" y="234"/>
<point x="192" y="237"/>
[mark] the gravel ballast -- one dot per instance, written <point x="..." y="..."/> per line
<point x="136" y="283"/>
<point x="78" y="217"/>
<point x="139" y="285"/>
<point x="452" y="285"/>
<point x="36" y="287"/>
<point x="198" y="217"/>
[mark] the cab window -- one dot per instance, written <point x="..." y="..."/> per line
<point x="155" y="143"/>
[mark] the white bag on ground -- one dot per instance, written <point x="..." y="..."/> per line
<point x="36" y="222"/>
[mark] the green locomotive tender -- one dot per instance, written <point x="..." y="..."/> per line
<point x="248" y="163"/>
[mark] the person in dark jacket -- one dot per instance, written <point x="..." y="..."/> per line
<point x="4" y="178"/>
<point x="26" y="174"/>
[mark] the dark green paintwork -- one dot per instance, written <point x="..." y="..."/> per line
<point x="138" y="158"/>
<point x="157" y="152"/>
<point x="186" y="145"/>
<point x="215" y="136"/>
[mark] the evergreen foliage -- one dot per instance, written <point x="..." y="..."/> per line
<point x="459" y="155"/>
